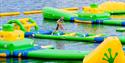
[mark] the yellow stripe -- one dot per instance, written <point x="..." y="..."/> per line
<point x="40" y="11"/>
<point x="33" y="12"/>
<point x="71" y="9"/>
<point x="9" y="14"/>
<point x="85" y="22"/>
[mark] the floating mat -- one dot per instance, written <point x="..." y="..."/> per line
<point x="109" y="51"/>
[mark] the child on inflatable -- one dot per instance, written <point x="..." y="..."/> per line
<point x="59" y="26"/>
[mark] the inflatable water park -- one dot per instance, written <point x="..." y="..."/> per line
<point x="93" y="33"/>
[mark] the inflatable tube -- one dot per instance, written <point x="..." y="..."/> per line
<point x="30" y="34"/>
<point x="90" y="16"/>
<point x="90" y="39"/>
<point x="22" y="27"/>
<point x="53" y="13"/>
<point x="18" y="23"/>
<point x="54" y="54"/>
<point x="109" y="22"/>
<point x="122" y="39"/>
<point x="114" y="22"/>
<point x="32" y="12"/>
<point x="36" y="26"/>
<point x="117" y="12"/>
<point x="120" y="29"/>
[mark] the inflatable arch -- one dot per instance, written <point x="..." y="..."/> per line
<point x="24" y="24"/>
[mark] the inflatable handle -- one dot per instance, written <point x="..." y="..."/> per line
<point x="18" y="23"/>
<point x="36" y="26"/>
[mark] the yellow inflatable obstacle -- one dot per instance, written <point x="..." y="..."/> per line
<point x="93" y="8"/>
<point x="109" y="51"/>
<point x="69" y="34"/>
<point x="112" y="6"/>
<point x="9" y="34"/>
<point x="24" y="24"/>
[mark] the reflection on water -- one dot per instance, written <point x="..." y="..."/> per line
<point x="19" y="60"/>
<point x="67" y="45"/>
<point x="84" y="28"/>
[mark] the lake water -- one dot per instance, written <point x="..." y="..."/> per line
<point x="26" y="5"/>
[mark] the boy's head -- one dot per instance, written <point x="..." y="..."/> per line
<point x="62" y="17"/>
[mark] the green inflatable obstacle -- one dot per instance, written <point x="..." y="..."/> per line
<point x="94" y="5"/>
<point x="33" y="21"/>
<point x="72" y="38"/>
<point x="53" y="13"/>
<point x="114" y="22"/>
<point x="91" y="38"/>
<point x="120" y="29"/>
<point x="122" y="39"/>
<point x="18" y="23"/>
<point x="13" y="40"/>
<point x="16" y="45"/>
<point x="7" y="27"/>
<point x="21" y="25"/>
<point x="90" y="16"/>
<point x="122" y="12"/>
<point x="58" y="54"/>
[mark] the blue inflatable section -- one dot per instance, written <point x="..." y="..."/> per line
<point x="123" y="23"/>
<point x="30" y="34"/>
<point x="23" y="53"/>
<point x="97" y="21"/>
<point x="72" y="19"/>
<point x="99" y="39"/>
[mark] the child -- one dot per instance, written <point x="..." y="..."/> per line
<point x="59" y="26"/>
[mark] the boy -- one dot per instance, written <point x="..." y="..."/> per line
<point x="59" y="24"/>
